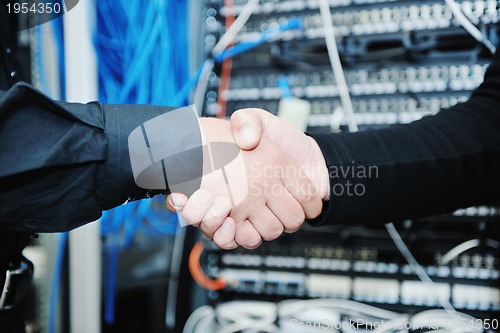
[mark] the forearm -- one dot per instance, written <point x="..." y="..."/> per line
<point x="62" y="164"/>
<point x="115" y="179"/>
<point x="431" y="166"/>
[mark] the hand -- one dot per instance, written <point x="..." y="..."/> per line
<point x="280" y="196"/>
<point x="252" y="128"/>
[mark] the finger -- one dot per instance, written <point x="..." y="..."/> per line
<point x="267" y="224"/>
<point x="218" y="213"/>
<point x="304" y="191"/>
<point x="247" y="126"/>
<point x="286" y="208"/>
<point x="197" y="206"/>
<point x="224" y="237"/>
<point x="176" y="202"/>
<point x="247" y="236"/>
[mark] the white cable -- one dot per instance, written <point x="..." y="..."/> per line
<point x="432" y="320"/>
<point x="457" y="250"/>
<point x="201" y="87"/>
<point x="257" y="316"/>
<point x="224" y="41"/>
<point x="468" y="26"/>
<point x="437" y="318"/>
<point x="391" y="325"/>
<point x="243" y="326"/>
<point x="247" y="315"/>
<point x="233" y="30"/>
<point x="173" y="283"/>
<point x="196" y="317"/>
<point x="206" y="324"/>
<point x="338" y="71"/>
<point x="465" y="246"/>
<point x="288" y="308"/>
<point x="417" y="268"/>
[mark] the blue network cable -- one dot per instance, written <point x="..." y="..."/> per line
<point x="142" y="51"/>
<point x="284" y="86"/>
<point x="56" y="280"/>
<point x="291" y="24"/>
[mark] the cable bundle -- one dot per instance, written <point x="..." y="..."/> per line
<point x="322" y="315"/>
<point x="142" y="50"/>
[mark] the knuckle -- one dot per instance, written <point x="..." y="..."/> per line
<point x="207" y="230"/>
<point x="315" y="210"/>
<point x="305" y="197"/>
<point x="295" y="223"/>
<point x="273" y="233"/>
<point x="225" y="244"/>
<point x="252" y="243"/>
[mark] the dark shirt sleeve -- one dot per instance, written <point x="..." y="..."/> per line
<point x="432" y="166"/>
<point x="62" y="164"/>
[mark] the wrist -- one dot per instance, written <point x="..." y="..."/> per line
<point x="215" y="130"/>
<point x="318" y="172"/>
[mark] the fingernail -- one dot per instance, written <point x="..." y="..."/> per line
<point x="246" y="137"/>
<point x="172" y="203"/>
<point x="226" y="228"/>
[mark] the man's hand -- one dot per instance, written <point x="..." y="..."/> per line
<point x="250" y="126"/>
<point x="286" y="178"/>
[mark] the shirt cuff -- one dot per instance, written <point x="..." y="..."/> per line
<point x="116" y="184"/>
<point x="331" y="147"/>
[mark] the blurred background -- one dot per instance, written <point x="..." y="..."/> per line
<point x="332" y="66"/>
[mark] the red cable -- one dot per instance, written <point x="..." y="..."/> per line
<point x="197" y="272"/>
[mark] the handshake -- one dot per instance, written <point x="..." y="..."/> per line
<point x="277" y="180"/>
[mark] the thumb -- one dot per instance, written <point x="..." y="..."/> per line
<point x="176" y="202"/>
<point x="248" y="125"/>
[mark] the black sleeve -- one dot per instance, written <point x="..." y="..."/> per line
<point x="435" y="165"/>
<point x="62" y="164"/>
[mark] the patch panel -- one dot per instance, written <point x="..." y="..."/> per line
<point x="272" y="6"/>
<point x="377" y="111"/>
<point x="384" y="110"/>
<point x="410" y="79"/>
<point x="382" y="289"/>
<point x="377" y="290"/>
<point x="400" y="17"/>
<point x="418" y="293"/>
<point x="284" y="283"/>
<point x="475" y="297"/>
<point x="371" y="290"/>
<point x="360" y="263"/>
<point x="403" y="60"/>
<point x="460" y="271"/>
<point x="324" y="285"/>
<point x="243" y="280"/>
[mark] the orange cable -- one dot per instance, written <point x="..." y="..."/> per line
<point x="197" y="272"/>
<point x="225" y="75"/>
